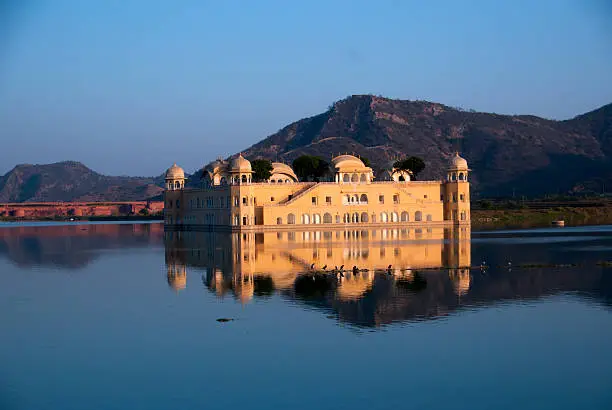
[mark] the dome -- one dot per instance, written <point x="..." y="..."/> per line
<point x="280" y="168"/>
<point x="240" y="163"/>
<point x="218" y="165"/>
<point x="347" y="161"/>
<point x="457" y="162"/>
<point x="175" y="172"/>
<point x="461" y="282"/>
<point x="353" y="287"/>
<point x="214" y="165"/>
<point x="178" y="282"/>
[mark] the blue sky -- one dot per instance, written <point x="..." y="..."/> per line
<point x="129" y="87"/>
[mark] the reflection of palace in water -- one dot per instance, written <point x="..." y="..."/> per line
<point x="429" y="277"/>
<point x="246" y="264"/>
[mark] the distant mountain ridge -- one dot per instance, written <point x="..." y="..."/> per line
<point x="509" y="154"/>
<point x="73" y="181"/>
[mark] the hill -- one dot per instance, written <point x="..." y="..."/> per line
<point x="510" y="154"/>
<point x="72" y="181"/>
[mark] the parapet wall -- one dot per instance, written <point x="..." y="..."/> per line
<point x="31" y="210"/>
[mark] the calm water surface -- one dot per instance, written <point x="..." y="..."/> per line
<point x="124" y="316"/>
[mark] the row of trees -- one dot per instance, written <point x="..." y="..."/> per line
<point x="313" y="168"/>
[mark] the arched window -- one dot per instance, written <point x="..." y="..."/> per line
<point x="291" y="219"/>
<point x="394" y="217"/>
<point x="453" y="177"/>
<point x="463" y="215"/>
<point x="305" y="219"/>
<point x="337" y="219"/>
<point x="461" y="176"/>
<point x="405" y="217"/>
<point x="177" y="185"/>
<point x="363" y="199"/>
<point x="355" y="199"/>
<point x="384" y="217"/>
<point x="347" y="218"/>
<point x="346" y="178"/>
<point x="428" y="218"/>
<point x="418" y="216"/>
<point x="364" y="217"/>
<point x="279" y="221"/>
<point x="316" y="219"/>
<point x="327" y="218"/>
<point x="244" y="179"/>
<point x="355" y="218"/>
<point x="363" y="178"/>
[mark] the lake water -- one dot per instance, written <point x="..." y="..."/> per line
<point x="125" y="316"/>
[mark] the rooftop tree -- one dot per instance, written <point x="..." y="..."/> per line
<point x="262" y="170"/>
<point x="414" y="165"/>
<point x="310" y="168"/>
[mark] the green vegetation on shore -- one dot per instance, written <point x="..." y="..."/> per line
<point x="542" y="215"/>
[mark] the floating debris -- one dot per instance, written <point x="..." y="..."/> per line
<point x="224" y="320"/>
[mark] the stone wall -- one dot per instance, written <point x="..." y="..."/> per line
<point x="31" y="210"/>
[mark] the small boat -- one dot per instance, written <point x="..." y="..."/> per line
<point x="559" y="222"/>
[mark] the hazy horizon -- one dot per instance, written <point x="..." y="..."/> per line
<point x="128" y="88"/>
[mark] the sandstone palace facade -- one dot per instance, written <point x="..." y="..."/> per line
<point x="228" y="199"/>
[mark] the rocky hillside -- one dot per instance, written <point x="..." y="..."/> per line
<point x="521" y="155"/>
<point x="72" y="181"/>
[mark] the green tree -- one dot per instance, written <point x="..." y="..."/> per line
<point x="485" y="204"/>
<point x="262" y="170"/>
<point x="413" y="164"/>
<point x="310" y="168"/>
<point x="365" y="161"/>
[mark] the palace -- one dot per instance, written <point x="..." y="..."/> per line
<point x="227" y="197"/>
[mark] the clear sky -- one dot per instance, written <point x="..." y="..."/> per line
<point x="128" y="87"/>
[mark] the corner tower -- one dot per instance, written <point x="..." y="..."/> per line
<point x="175" y="178"/>
<point x="457" y="191"/>
<point x="173" y="195"/>
<point x="241" y="190"/>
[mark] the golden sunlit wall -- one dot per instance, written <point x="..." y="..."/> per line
<point x="352" y="198"/>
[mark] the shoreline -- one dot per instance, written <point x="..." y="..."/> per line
<point x="540" y="218"/>
<point x="135" y="218"/>
<point x="481" y="219"/>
